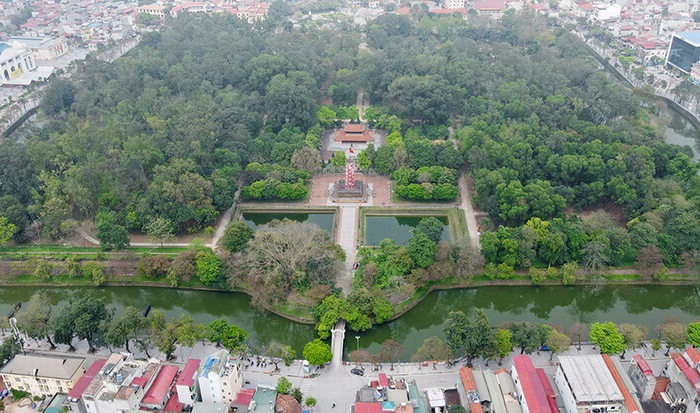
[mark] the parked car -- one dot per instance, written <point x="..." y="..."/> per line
<point x="357" y="372"/>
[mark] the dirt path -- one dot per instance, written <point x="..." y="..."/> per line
<point x="361" y="106"/>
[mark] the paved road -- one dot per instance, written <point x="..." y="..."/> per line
<point x="347" y="228"/>
<point x="469" y="211"/>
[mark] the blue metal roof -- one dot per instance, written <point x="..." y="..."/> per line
<point x="691" y="37"/>
<point x="4" y="46"/>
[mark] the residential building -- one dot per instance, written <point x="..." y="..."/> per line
<point x="533" y="393"/>
<point x="264" y="398"/>
<point x="241" y="403"/>
<point x="159" y="393"/>
<point x="42" y="375"/>
<point x="679" y="371"/>
<point x="221" y="378"/>
<point x="642" y="377"/>
<point x="631" y="402"/>
<point x="604" y="11"/>
<point x="186" y="384"/>
<point x="43" y="48"/>
<point x="154" y="9"/>
<point x="454" y="4"/>
<point x="205" y="407"/>
<point x="77" y="392"/>
<point x="683" y="51"/>
<point x="692" y="356"/>
<point x="287" y="404"/>
<point x="585" y="384"/>
<point x="493" y="8"/>
<point x="119" y="386"/>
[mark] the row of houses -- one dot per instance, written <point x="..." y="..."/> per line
<point x="123" y="384"/>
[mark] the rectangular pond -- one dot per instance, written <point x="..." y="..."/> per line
<point x="399" y="228"/>
<point x="324" y="220"/>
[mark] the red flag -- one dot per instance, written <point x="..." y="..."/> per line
<point x="351" y="151"/>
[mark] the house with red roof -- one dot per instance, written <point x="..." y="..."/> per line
<point x="529" y="388"/>
<point x="692" y="356"/>
<point x="158" y="394"/>
<point x="642" y="377"/>
<point x="186" y="384"/>
<point x="361" y="407"/>
<point x="678" y="370"/>
<point x="493" y="8"/>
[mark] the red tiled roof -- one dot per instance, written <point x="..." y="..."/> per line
<point x="142" y="380"/>
<point x="548" y="390"/>
<point x="693" y="355"/>
<point x="629" y="402"/>
<point x="287" y="404"/>
<point x="489" y="5"/>
<point x="383" y="381"/>
<point x="159" y="389"/>
<point x="467" y="377"/>
<point x="643" y="365"/>
<point x="244" y="397"/>
<point x="586" y="6"/>
<point x="691" y="374"/>
<point x="188" y="372"/>
<point x="173" y="405"/>
<point x="533" y="390"/>
<point x="354" y="127"/>
<point x="77" y="392"/>
<point x="403" y="10"/>
<point x="368" y="407"/>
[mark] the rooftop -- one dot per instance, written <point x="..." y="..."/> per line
<point x="642" y="364"/>
<point x="159" y="389"/>
<point x="204" y="407"/>
<point x="244" y="397"/>
<point x="77" y="392"/>
<point x="287" y="404"/>
<point x="692" y="356"/>
<point x="215" y="363"/>
<point x="361" y="407"/>
<point x="43" y="366"/>
<point x="265" y="395"/>
<point x="690" y="37"/>
<point x="189" y="373"/>
<point x="589" y="378"/>
<point x="533" y="390"/>
<point x="692" y="375"/>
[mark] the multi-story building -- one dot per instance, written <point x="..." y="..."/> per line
<point x="532" y="387"/>
<point x="221" y="378"/>
<point x="186" y="384"/>
<point x="683" y="51"/>
<point x="43" y="48"/>
<point x="42" y="375"/>
<point x="679" y="371"/>
<point x="642" y="377"/>
<point x="587" y="385"/>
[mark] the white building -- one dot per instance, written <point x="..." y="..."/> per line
<point x="586" y="384"/>
<point x="221" y="378"/>
<point x="43" y="48"/>
<point x="14" y="62"/>
<point x="454" y="4"/>
<point x="42" y="375"/>
<point x="186" y="384"/>
<point x="606" y="11"/>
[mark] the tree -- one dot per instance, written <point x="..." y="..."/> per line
<point x="693" y="332"/>
<point x="236" y="237"/>
<point x="307" y="158"/>
<point x="504" y="344"/>
<point x="363" y="161"/>
<point x="475" y="336"/>
<point x="634" y="335"/>
<point x="7" y="231"/>
<point x="390" y="351"/>
<point x="339" y="159"/>
<point x="208" y="267"/>
<point x="557" y="342"/>
<point x="421" y="249"/>
<point x="112" y="236"/>
<point x="359" y="356"/>
<point x="433" y="349"/>
<point x="127" y="327"/>
<point x="278" y="352"/>
<point x="284" y="386"/>
<point x="607" y="337"/>
<point x="431" y="227"/>
<point x="655" y="345"/>
<point x="674" y="334"/>
<point x="529" y="337"/>
<point x="310" y="402"/>
<point x="292" y="99"/>
<point x="159" y="230"/>
<point x="85" y="317"/>
<point x="456" y="328"/>
<point x="649" y="261"/>
<point x="317" y="352"/>
<point x="35" y="318"/>
<point x="9" y="348"/>
<point x="577" y="332"/>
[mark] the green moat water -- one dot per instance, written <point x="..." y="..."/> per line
<point x="255" y="219"/>
<point x="398" y="228"/>
<point x="644" y="305"/>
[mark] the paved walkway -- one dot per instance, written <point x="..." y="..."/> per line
<point x="347" y="234"/>
<point x="469" y="214"/>
<point x="337" y="341"/>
